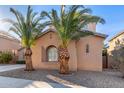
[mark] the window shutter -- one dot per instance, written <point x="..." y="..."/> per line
<point x="43" y="54"/>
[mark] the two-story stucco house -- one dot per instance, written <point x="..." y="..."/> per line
<point x="85" y="54"/>
<point x="8" y="43"/>
<point x="112" y="45"/>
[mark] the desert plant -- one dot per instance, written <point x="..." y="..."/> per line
<point x="5" y="57"/>
<point x="118" y="52"/>
<point x="69" y="24"/>
<point x="118" y="55"/>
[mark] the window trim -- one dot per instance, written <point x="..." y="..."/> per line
<point x="47" y="54"/>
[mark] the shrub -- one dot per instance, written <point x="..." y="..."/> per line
<point x="5" y="57"/>
<point x="118" y="56"/>
<point x="20" y="62"/>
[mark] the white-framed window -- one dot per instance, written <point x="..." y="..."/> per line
<point x="52" y="53"/>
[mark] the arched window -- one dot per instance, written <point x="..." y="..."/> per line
<point x="52" y="53"/>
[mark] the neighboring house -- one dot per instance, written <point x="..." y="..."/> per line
<point x="113" y="44"/>
<point x="85" y="54"/>
<point x="8" y="43"/>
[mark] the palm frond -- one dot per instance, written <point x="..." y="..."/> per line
<point x="45" y="14"/>
<point x="70" y="21"/>
<point x="27" y="27"/>
<point x="92" y="19"/>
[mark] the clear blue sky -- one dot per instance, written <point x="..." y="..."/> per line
<point x="113" y="15"/>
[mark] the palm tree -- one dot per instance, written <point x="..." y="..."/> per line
<point x="28" y="28"/>
<point x="68" y="25"/>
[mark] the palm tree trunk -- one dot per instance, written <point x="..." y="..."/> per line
<point x="28" y="59"/>
<point x="63" y="60"/>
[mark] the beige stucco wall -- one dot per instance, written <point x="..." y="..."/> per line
<point x="93" y="59"/>
<point x="7" y="44"/>
<point x="45" y="41"/>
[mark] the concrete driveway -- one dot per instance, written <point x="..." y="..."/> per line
<point x="10" y="67"/>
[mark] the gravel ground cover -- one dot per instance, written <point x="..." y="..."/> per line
<point x="90" y="79"/>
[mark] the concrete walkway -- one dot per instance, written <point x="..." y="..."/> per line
<point x="10" y="67"/>
<point x="7" y="82"/>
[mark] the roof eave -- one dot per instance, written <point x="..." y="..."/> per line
<point x="53" y="30"/>
<point x="98" y="34"/>
<point x="45" y="32"/>
<point x="116" y="35"/>
<point x="101" y="35"/>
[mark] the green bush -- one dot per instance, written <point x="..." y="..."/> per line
<point x="5" y="57"/>
<point x="20" y="62"/>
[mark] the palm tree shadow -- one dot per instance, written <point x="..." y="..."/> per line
<point x="64" y="83"/>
